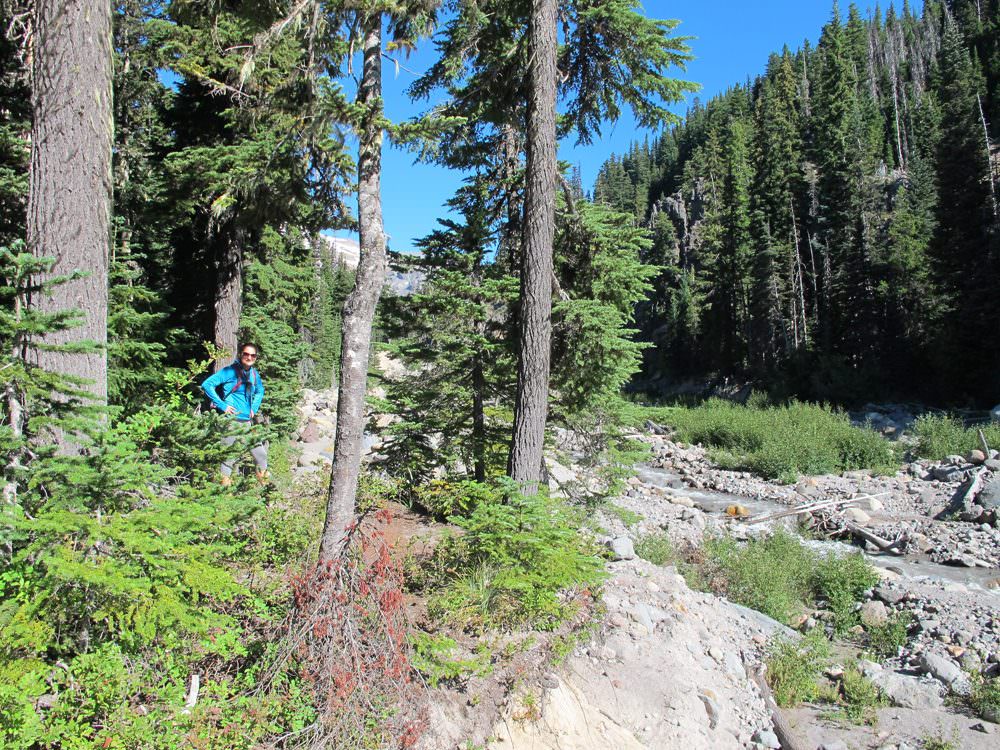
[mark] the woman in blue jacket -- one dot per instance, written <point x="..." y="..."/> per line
<point x="242" y="392"/>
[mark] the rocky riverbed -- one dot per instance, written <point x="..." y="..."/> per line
<point x="946" y="581"/>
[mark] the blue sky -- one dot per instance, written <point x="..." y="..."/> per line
<point x="733" y="39"/>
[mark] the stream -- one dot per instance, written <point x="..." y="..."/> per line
<point x="916" y="568"/>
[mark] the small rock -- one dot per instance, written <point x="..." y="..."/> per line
<point x="737" y="511"/>
<point x="857" y="516"/>
<point x="874" y="613"/>
<point x="767" y="738"/>
<point x="712" y="709"/>
<point x="976" y="457"/>
<point x="890" y="596"/>
<point x="621" y="548"/>
<point x="992" y="464"/>
<point x="981" y="727"/>
<point x="683" y="501"/>
<point x="549" y="682"/>
<point x="834" y="745"/>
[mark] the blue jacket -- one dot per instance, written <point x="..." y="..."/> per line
<point x="241" y="389"/>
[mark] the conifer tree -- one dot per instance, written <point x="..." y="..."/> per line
<point x="69" y="200"/>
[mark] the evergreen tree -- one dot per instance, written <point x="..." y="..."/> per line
<point x="965" y="259"/>
<point x="69" y="200"/>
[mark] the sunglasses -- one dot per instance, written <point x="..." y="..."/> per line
<point x="248" y="354"/>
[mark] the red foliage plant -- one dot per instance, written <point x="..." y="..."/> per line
<point x="349" y="630"/>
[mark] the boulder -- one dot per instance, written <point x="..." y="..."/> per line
<point x="873" y="614"/>
<point x="946" y="671"/>
<point x="858" y="516"/>
<point x="989" y="496"/>
<point x="621" y="548"/>
<point x="976" y="457"/>
<point x="906" y="691"/>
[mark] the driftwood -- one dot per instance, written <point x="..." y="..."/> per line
<point x="982" y="441"/>
<point x="975" y="484"/>
<point x="894" y="547"/>
<point x="812" y="507"/>
<point x="781" y="726"/>
<point x="657" y="429"/>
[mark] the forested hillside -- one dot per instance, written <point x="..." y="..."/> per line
<point x="830" y="228"/>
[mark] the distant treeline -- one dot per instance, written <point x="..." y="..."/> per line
<point x="831" y="227"/>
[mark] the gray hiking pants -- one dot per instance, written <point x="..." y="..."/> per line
<point x="259" y="452"/>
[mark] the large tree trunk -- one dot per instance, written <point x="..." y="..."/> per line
<point x="69" y="201"/>
<point x="359" y="309"/>
<point x="228" y="293"/>
<point x="531" y="406"/>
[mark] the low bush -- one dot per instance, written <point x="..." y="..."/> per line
<point x="512" y="566"/>
<point x="771" y="574"/>
<point x="779" y="576"/>
<point x="778" y="441"/>
<point x="939" y="436"/>
<point x="859" y="696"/>
<point x="443" y="498"/>
<point x="794" y="668"/>
<point x="434" y="657"/>
<point x="840" y="582"/>
<point x="656" y="548"/>
<point x="985" y="698"/>
<point x="885" y="640"/>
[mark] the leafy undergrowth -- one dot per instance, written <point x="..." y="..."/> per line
<point x="515" y="565"/>
<point x="781" y="577"/>
<point x="777" y="441"/>
<point x="939" y="436"/>
<point x="131" y="572"/>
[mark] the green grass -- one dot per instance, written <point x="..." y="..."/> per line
<point x="779" y="576"/>
<point x="778" y="441"/>
<point x="940" y="436"/>
<point x="985" y="698"/>
<point x="656" y="548"/>
<point x="794" y="668"/>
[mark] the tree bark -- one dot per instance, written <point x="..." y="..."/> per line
<point x="69" y="201"/>
<point x="531" y="406"/>
<point x="228" y="293"/>
<point x="359" y="309"/>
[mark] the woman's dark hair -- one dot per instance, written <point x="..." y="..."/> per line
<point x="245" y="344"/>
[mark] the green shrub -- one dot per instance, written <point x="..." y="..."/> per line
<point x="656" y="548"/>
<point x="443" y="498"/>
<point x="433" y="657"/>
<point x="886" y="640"/>
<point x="861" y="699"/>
<point x="940" y="436"/>
<point x="626" y="516"/>
<point x="512" y="565"/>
<point x="985" y="698"/>
<point x="779" y="576"/>
<point x="840" y="581"/>
<point x="778" y="441"/>
<point x="794" y="668"/>
<point x="771" y="574"/>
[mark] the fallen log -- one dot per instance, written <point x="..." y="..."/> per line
<point x="894" y="547"/>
